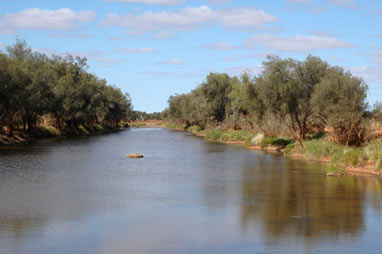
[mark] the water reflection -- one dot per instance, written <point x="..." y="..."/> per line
<point x="186" y="195"/>
<point x="294" y="198"/>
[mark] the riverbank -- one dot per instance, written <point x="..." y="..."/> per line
<point x="340" y="160"/>
<point x="45" y="132"/>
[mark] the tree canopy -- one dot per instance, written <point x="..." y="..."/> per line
<point x="33" y="85"/>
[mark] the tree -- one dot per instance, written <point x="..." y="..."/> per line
<point x="340" y="100"/>
<point x="286" y="87"/>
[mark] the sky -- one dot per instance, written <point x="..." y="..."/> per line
<point x="156" y="48"/>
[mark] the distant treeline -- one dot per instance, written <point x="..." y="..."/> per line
<point x="299" y="98"/>
<point x="33" y="85"/>
<point x="137" y="115"/>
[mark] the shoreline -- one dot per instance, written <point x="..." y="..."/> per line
<point x="366" y="168"/>
<point x="41" y="133"/>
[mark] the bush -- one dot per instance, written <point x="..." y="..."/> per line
<point x="353" y="156"/>
<point x="275" y="142"/>
<point x="214" y="134"/>
<point x="373" y="151"/>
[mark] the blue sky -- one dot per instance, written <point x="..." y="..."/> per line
<point x="155" y="48"/>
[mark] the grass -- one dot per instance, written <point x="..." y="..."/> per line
<point x="373" y="151"/>
<point x="172" y="126"/>
<point x="229" y="135"/>
<point x="137" y="124"/>
<point x="275" y="142"/>
<point x="214" y="134"/>
<point x="317" y="148"/>
<point x="340" y="156"/>
<point x="194" y="129"/>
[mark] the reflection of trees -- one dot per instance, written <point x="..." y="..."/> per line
<point x="293" y="198"/>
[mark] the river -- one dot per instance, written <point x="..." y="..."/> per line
<point x="185" y="196"/>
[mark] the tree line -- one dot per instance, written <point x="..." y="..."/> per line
<point x="33" y="85"/>
<point x="299" y="98"/>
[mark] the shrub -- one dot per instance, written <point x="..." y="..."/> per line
<point x="214" y="134"/>
<point x="275" y="142"/>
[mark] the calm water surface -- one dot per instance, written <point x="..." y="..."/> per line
<point x="186" y="196"/>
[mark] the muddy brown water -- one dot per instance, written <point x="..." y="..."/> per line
<point x="185" y="196"/>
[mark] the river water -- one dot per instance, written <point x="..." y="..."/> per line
<point x="186" y="196"/>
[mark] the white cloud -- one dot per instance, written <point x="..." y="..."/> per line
<point x="62" y="19"/>
<point x="231" y="58"/>
<point x="346" y="3"/>
<point x="377" y="58"/>
<point x="371" y="74"/>
<point x="335" y="59"/>
<point x="75" y="36"/>
<point x="173" y="61"/>
<point x="218" y="46"/>
<point x="1" y="44"/>
<point x="163" y="35"/>
<point x="298" y="1"/>
<point x="135" y="50"/>
<point x="189" y="18"/>
<point x="244" y="17"/>
<point x="153" y="2"/>
<point x="297" y="43"/>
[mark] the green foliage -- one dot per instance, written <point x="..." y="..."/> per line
<point x="173" y="126"/>
<point x="281" y="142"/>
<point x="320" y="148"/>
<point x="334" y="168"/>
<point x="285" y="88"/>
<point x="33" y="85"/>
<point x="194" y="128"/>
<point x="353" y="156"/>
<point x="373" y="151"/>
<point x="214" y="134"/>
<point x="290" y="148"/>
<point x="340" y="100"/>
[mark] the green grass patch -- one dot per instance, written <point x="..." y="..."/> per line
<point x="194" y="129"/>
<point x="214" y="134"/>
<point x="373" y="152"/>
<point x="137" y="124"/>
<point x="229" y="135"/>
<point x="334" y="168"/>
<point x="275" y="142"/>
<point x="172" y="126"/>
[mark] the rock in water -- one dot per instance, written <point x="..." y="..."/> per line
<point x="134" y="155"/>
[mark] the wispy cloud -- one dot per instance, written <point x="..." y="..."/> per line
<point x="166" y="74"/>
<point x="377" y="57"/>
<point x="35" y="18"/>
<point x="233" y="58"/>
<point x="371" y="74"/>
<point x="299" y="43"/>
<point x="345" y="3"/>
<point x="136" y="50"/>
<point x="189" y="18"/>
<point x="174" y="61"/>
<point x="74" y="36"/>
<point x="163" y="35"/>
<point x="299" y="1"/>
<point x="218" y="46"/>
<point x="153" y="2"/>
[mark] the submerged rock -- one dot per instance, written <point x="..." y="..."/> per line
<point x="134" y="155"/>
